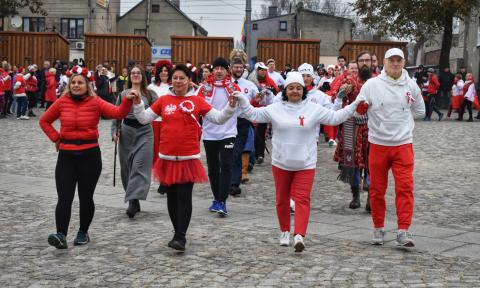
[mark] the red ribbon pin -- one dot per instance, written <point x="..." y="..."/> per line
<point x="301" y="120"/>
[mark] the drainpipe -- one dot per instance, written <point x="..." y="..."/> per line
<point x="147" y="28"/>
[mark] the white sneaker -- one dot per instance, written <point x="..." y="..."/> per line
<point x="378" y="235"/>
<point x="298" y="243"/>
<point x="332" y="143"/>
<point x="24" y="117"/>
<point x="292" y="206"/>
<point x="285" y="238"/>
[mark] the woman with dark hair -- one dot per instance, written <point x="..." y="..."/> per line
<point x="178" y="165"/>
<point x="295" y="122"/>
<point x="135" y="144"/>
<point x="79" y="158"/>
<point x="163" y="81"/>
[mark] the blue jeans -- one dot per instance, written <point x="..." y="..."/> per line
<point x="242" y="127"/>
<point x="432" y="107"/>
<point x="357" y="177"/>
<point x="21" y="105"/>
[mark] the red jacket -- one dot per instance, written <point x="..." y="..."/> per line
<point x="79" y="119"/>
<point x="32" y="84"/>
<point x="23" y="84"/>
<point x="50" y="93"/>
<point x="433" y="84"/>
<point x="7" y="84"/>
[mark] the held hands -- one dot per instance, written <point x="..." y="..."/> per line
<point x="361" y="104"/>
<point x="347" y="88"/>
<point x="116" y="136"/>
<point x="135" y="96"/>
<point x="233" y="99"/>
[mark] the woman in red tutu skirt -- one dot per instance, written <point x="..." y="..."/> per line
<point x="178" y="165"/>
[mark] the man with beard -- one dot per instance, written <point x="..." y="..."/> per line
<point x="352" y="149"/>
<point x="244" y="129"/>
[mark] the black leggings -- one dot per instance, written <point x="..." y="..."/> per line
<point x="260" y="133"/>
<point x="220" y="163"/>
<point x="82" y="168"/>
<point x="468" y="104"/>
<point x="32" y="99"/>
<point x="179" y="203"/>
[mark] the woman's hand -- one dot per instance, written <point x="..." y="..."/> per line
<point x="115" y="136"/>
<point x="57" y="145"/>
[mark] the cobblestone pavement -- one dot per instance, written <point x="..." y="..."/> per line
<point x="241" y="250"/>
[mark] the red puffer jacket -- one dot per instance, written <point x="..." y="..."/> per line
<point x="50" y="93"/>
<point x="79" y="119"/>
<point x="32" y="84"/>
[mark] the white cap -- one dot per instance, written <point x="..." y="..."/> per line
<point x="306" y="68"/>
<point x="260" y="65"/>
<point x="394" y="52"/>
<point x="294" y="77"/>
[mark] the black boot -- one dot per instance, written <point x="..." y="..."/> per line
<point x="355" y="198"/>
<point x="235" y="190"/>
<point x="178" y="242"/>
<point x="367" y="207"/>
<point x="133" y="208"/>
<point x="162" y="189"/>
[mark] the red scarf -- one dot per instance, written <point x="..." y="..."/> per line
<point x="211" y="82"/>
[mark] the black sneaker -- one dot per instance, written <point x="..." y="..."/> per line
<point x="81" y="239"/>
<point x="58" y="240"/>
<point x="260" y="160"/>
<point x="235" y="190"/>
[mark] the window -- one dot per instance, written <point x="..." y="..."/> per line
<point x="72" y="28"/>
<point x="155" y="8"/>
<point x="254" y="26"/>
<point x="140" y="31"/>
<point x="283" y="25"/>
<point x="33" y="24"/>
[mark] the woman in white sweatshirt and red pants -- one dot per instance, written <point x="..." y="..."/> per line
<point x="394" y="100"/>
<point x="295" y="121"/>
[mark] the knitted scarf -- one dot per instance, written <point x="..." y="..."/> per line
<point x="210" y="83"/>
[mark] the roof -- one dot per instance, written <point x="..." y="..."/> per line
<point x="305" y="10"/>
<point x="373" y="43"/>
<point x="195" y="24"/>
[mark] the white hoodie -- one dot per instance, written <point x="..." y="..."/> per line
<point x="393" y="104"/>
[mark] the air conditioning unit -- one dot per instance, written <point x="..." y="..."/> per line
<point x="80" y="45"/>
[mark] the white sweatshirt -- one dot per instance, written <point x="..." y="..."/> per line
<point x="212" y="131"/>
<point x="393" y="104"/>
<point x="249" y="89"/>
<point x="294" y="128"/>
<point x="470" y="94"/>
<point x="457" y="89"/>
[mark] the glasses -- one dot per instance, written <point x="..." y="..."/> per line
<point x="364" y="60"/>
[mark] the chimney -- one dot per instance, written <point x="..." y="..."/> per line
<point x="176" y="3"/>
<point x="272" y="11"/>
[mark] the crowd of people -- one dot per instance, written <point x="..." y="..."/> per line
<point x="163" y="112"/>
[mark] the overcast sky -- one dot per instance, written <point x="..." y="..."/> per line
<point x="218" y="17"/>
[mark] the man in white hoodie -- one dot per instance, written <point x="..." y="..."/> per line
<point x="394" y="100"/>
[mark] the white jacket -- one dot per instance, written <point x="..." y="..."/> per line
<point x="393" y="104"/>
<point x="294" y="128"/>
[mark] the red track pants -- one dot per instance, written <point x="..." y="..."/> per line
<point x="297" y="185"/>
<point x="330" y="131"/>
<point x="400" y="159"/>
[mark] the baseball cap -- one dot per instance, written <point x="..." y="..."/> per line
<point x="260" y="65"/>
<point x="394" y="52"/>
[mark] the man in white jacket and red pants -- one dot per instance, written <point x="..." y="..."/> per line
<point x="394" y="100"/>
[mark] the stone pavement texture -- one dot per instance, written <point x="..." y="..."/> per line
<point x="241" y="250"/>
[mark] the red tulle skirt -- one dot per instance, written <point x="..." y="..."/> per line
<point x="177" y="172"/>
<point x="156" y="139"/>
<point x="456" y="101"/>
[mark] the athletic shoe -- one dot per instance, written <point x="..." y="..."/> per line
<point x="178" y="242"/>
<point x="81" y="239"/>
<point x="378" y="235"/>
<point x="214" y="207"/>
<point x="235" y="190"/>
<point x="24" y="117"/>
<point x="260" y="160"/>
<point x="405" y="239"/>
<point x="332" y="143"/>
<point x="58" y="240"/>
<point x="440" y="117"/>
<point x="285" y="238"/>
<point x="298" y="243"/>
<point x="222" y="209"/>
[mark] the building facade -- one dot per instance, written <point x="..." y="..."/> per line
<point x="304" y="24"/>
<point x="158" y="20"/>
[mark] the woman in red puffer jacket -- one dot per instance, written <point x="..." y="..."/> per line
<point x="79" y="159"/>
<point x="50" y="93"/>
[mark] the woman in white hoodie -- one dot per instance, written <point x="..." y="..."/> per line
<point x="295" y="122"/>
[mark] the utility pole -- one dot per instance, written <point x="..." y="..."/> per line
<point x="248" y="24"/>
<point x="147" y="26"/>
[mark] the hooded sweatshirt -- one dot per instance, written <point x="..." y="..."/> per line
<point x="393" y="104"/>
